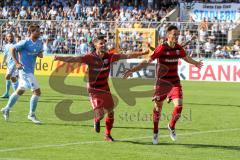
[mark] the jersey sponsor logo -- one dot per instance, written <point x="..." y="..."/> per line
<point x="178" y="52"/>
<point x="171" y="60"/>
<point x="100" y="69"/>
<point x="105" y="61"/>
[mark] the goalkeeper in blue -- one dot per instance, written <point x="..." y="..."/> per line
<point x="28" y="49"/>
<point x="12" y="72"/>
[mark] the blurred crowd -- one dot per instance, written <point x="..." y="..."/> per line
<point x="90" y="10"/>
<point x="68" y="27"/>
<point x="212" y="38"/>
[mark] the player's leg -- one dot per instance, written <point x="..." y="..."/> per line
<point x="12" y="100"/>
<point x="14" y="79"/>
<point x="14" y="83"/>
<point x="161" y="92"/>
<point x="95" y="100"/>
<point x="8" y="84"/>
<point x="108" y="107"/>
<point x="23" y="85"/>
<point x="109" y="125"/>
<point x="36" y="93"/>
<point x="157" y="109"/>
<point x="176" y="95"/>
<point x="98" y="116"/>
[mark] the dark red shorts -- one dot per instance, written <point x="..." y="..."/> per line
<point x="101" y="100"/>
<point x="173" y="92"/>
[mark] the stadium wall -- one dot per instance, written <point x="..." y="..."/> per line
<point x="213" y="70"/>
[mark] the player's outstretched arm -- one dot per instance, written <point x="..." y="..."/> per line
<point x="130" y="55"/>
<point x="13" y="54"/>
<point x="197" y="64"/>
<point x="68" y="58"/>
<point x="141" y="65"/>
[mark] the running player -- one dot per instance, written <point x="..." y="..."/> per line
<point x="99" y="62"/>
<point x="168" y="82"/>
<point x="29" y="49"/>
<point x="12" y="73"/>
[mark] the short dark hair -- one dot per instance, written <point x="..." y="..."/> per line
<point x="32" y="28"/>
<point x="99" y="38"/>
<point x="18" y="36"/>
<point x="9" y="33"/>
<point x="172" y="27"/>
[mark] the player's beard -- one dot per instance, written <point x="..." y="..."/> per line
<point x="103" y="50"/>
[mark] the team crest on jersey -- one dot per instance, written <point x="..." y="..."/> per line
<point x="178" y="52"/>
<point x="105" y="61"/>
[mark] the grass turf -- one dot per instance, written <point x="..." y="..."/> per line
<point x="209" y="128"/>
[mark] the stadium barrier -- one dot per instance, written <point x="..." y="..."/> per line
<point x="213" y="70"/>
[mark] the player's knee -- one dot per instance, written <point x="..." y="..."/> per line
<point x="20" y="92"/>
<point x="8" y="76"/>
<point x="111" y="114"/>
<point x="177" y="102"/>
<point x="37" y="92"/>
<point x="13" y="79"/>
<point x="99" y="114"/>
<point x="158" y="104"/>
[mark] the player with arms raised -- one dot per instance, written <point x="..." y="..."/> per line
<point x="99" y="62"/>
<point x="168" y="82"/>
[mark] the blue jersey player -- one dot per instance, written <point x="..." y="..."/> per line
<point x="12" y="73"/>
<point x="29" y="49"/>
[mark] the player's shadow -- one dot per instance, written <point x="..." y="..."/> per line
<point x="55" y="101"/>
<point x="91" y="126"/>
<point x="147" y="128"/>
<point x="225" y="147"/>
<point x="213" y="104"/>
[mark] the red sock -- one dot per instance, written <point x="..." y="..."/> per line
<point x="156" y="117"/>
<point x="96" y="119"/>
<point x="109" y="124"/>
<point x="176" y="114"/>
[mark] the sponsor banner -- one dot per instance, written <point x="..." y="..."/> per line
<point x="218" y="71"/>
<point x="213" y="70"/>
<point x="46" y="66"/>
<point x="198" y="11"/>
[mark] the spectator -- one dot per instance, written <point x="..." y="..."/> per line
<point x="47" y="47"/>
<point x="23" y="13"/>
<point x="83" y="47"/>
<point x="236" y="47"/>
<point x="209" y="48"/>
<point x="77" y="9"/>
<point x="53" y="12"/>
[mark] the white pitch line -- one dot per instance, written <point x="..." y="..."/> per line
<point x="13" y="159"/>
<point x="119" y="140"/>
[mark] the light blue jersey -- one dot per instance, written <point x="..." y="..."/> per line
<point x="28" y="51"/>
<point x="10" y="62"/>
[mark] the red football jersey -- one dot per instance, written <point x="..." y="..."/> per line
<point x="98" y="70"/>
<point x="167" y="63"/>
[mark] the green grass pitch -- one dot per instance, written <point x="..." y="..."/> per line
<point x="208" y="130"/>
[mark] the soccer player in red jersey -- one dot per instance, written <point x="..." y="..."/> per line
<point x="168" y="82"/>
<point x="99" y="63"/>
